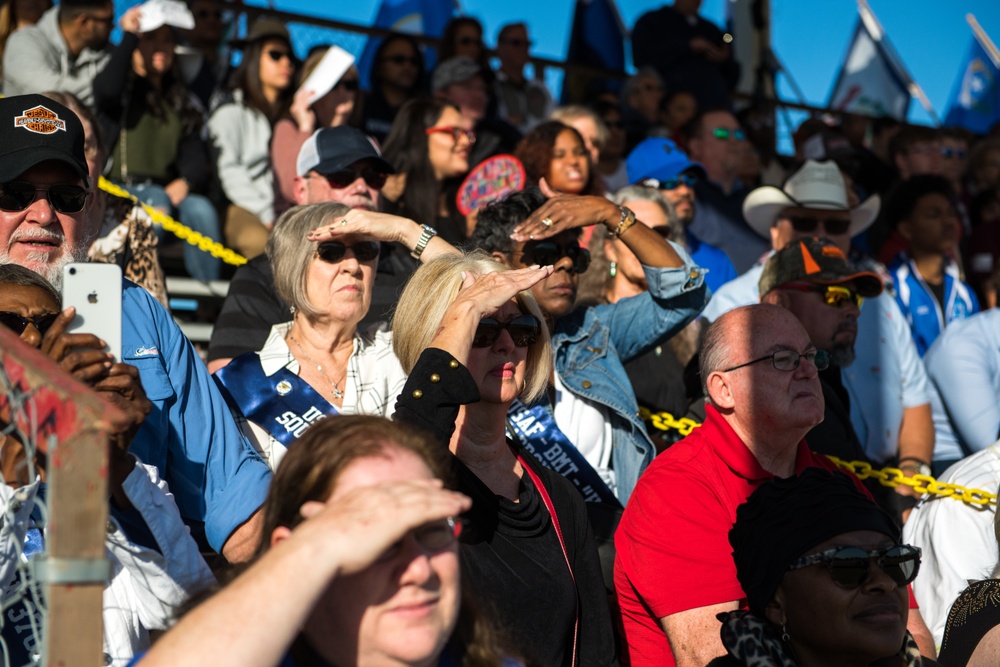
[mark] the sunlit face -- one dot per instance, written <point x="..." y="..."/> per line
<point x="682" y="199"/>
<point x="276" y="65"/>
<point x="155" y="53"/>
<point x="399" y="612"/>
<point x="831" y="328"/>
<point x="830" y="624"/>
<point x="314" y="188"/>
<point x="628" y="266"/>
<point x="588" y="130"/>
<point x="341" y="291"/>
<point x="569" y="168"/>
<point x="39" y="238"/>
<point x="448" y="154"/>
<point x="499" y="370"/>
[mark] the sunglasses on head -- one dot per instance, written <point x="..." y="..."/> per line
<point x="546" y="253"/>
<point x="277" y="54"/>
<point x="341" y="179"/>
<point x="690" y="180"/>
<point x="18" y="323"/>
<point x="807" y="224"/>
<point x="432" y="537"/>
<point x="833" y="295"/>
<point x="455" y="131"/>
<point x="523" y="329"/>
<point x="402" y="60"/>
<point x="723" y="134"/>
<point x="334" y="251"/>
<point x="63" y="197"/>
<point x="850" y="566"/>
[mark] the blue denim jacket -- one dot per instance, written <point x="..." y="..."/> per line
<point x="591" y="344"/>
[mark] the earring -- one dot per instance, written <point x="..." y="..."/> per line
<point x="784" y="634"/>
<point x="524" y="386"/>
<point x="292" y="309"/>
<point x="614" y="269"/>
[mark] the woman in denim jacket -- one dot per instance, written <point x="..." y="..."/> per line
<point x="591" y="398"/>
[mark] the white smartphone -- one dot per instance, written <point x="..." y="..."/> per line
<point x="95" y="290"/>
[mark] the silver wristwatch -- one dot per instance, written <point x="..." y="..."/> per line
<point x="425" y="237"/>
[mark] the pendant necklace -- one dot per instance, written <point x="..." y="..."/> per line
<point x="337" y="393"/>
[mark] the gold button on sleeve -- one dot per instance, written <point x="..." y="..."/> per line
<point x="417" y="393"/>
<point x="587" y="384"/>
<point x="453" y="363"/>
<point x="435" y="377"/>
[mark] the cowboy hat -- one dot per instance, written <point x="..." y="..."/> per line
<point x="817" y="185"/>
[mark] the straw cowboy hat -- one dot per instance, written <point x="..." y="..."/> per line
<point x="817" y="185"/>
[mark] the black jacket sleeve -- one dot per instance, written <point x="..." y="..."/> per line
<point x="432" y="405"/>
<point x="192" y="162"/>
<point x="109" y="83"/>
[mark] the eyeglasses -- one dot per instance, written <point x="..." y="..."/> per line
<point x="347" y="84"/>
<point x="805" y="224"/>
<point x="334" y="251"/>
<point x="455" y="132"/>
<point x="432" y="537"/>
<point x="689" y="180"/>
<point x="850" y="566"/>
<point x="524" y="330"/>
<point x="64" y="198"/>
<point x="833" y="295"/>
<point x="789" y="360"/>
<point x="546" y="253"/>
<point x="339" y="180"/>
<point x="957" y="153"/>
<point x="723" y="134"/>
<point x="400" y="59"/>
<point x="277" y="54"/>
<point x="18" y="323"/>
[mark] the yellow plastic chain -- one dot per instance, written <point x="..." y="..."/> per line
<point x="665" y="421"/>
<point x="182" y="232"/>
<point x="893" y="477"/>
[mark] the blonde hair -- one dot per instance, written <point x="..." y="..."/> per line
<point x="434" y="287"/>
<point x="566" y="115"/>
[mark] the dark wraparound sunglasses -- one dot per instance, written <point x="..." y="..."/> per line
<point x="689" y="180"/>
<point x="805" y="224"/>
<point x="277" y="54"/>
<point x="341" y="179"/>
<point x="546" y="253"/>
<point x="850" y="566"/>
<point x="64" y="197"/>
<point x="523" y="329"/>
<point x="18" y="323"/>
<point x="334" y="251"/>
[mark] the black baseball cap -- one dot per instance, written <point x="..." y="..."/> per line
<point x="334" y="149"/>
<point x="819" y="261"/>
<point x="35" y="129"/>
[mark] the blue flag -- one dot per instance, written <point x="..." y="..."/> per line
<point x="975" y="98"/>
<point x="417" y="17"/>
<point x="598" y="40"/>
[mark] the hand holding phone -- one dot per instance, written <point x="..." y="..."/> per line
<point x="95" y="291"/>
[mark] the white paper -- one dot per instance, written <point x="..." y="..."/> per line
<point x="156" y="13"/>
<point x="335" y="63"/>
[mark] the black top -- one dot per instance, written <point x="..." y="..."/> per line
<point x="510" y="551"/>
<point x="975" y="612"/>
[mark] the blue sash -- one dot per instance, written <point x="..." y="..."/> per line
<point x="283" y="404"/>
<point x="537" y="431"/>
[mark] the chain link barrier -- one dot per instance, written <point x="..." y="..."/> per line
<point x="197" y="239"/>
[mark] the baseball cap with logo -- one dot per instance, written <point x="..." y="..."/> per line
<point x="334" y="149"/>
<point x="818" y="261"/>
<point x="660" y="159"/>
<point x="35" y="129"/>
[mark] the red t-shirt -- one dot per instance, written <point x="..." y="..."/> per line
<point x="673" y="551"/>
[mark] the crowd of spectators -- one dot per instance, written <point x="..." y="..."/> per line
<point x="631" y="367"/>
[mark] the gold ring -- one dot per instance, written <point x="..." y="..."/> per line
<point x="547" y="222"/>
<point x="343" y="223"/>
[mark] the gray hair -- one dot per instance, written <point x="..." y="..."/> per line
<point x="632" y="83"/>
<point x="15" y="274"/>
<point x="566" y="115"/>
<point x="290" y="253"/>
<point x="642" y="193"/>
<point x="713" y="354"/>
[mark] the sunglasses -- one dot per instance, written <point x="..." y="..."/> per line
<point x="809" y="224"/>
<point x="523" y="329"/>
<point x="546" y="253"/>
<point x="341" y="179"/>
<point x="833" y="295"/>
<point x="347" y="84"/>
<point x="18" y="323"/>
<point x="432" y="537"/>
<point x="402" y="60"/>
<point x="953" y="153"/>
<point x="64" y="198"/>
<point x="789" y="360"/>
<point x="723" y="134"/>
<point x="850" y="566"/>
<point x="689" y="180"/>
<point x="334" y="251"/>
<point x="454" y="131"/>
<point x="277" y="54"/>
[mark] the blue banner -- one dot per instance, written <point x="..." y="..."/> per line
<point x="975" y="97"/>
<point x="417" y="17"/>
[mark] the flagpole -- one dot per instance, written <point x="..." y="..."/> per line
<point x="875" y="29"/>
<point x="984" y="39"/>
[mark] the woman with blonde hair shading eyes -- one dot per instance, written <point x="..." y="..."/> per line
<point x="471" y="337"/>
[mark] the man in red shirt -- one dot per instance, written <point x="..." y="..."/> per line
<point x="674" y="568"/>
